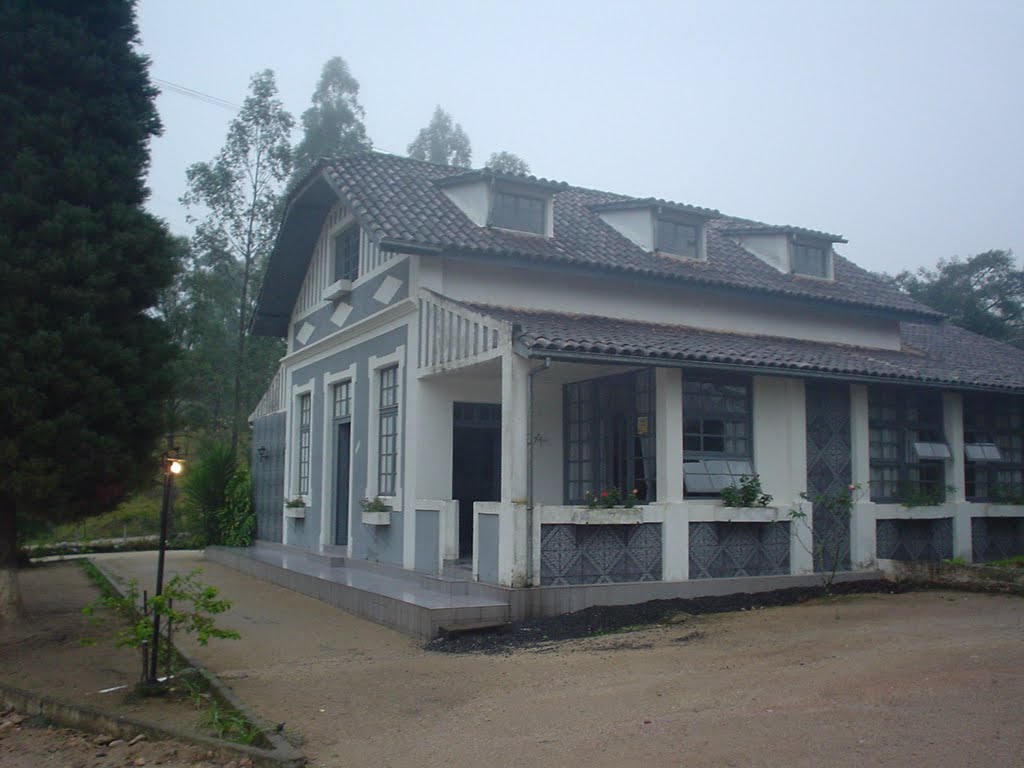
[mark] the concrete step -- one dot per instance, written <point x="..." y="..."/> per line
<point x="404" y="600"/>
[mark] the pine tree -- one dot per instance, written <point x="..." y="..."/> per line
<point x="84" y="368"/>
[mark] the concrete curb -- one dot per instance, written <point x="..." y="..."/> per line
<point x="283" y="754"/>
<point x="72" y="715"/>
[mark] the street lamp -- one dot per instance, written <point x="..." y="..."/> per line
<point x="173" y="466"/>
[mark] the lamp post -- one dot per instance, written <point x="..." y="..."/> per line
<point x="172" y="467"/>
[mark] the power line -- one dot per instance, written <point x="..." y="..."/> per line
<point x="198" y="95"/>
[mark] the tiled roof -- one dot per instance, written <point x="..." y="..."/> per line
<point x="746" y="226"/>
<point x="939" y="354"/>
<point x="396" y="199"/>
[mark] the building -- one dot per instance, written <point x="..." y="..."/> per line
<point x="474" y="352"/>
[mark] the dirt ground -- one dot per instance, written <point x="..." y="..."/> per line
<point x="935" y="678"/>
<point x="27" y="743"/>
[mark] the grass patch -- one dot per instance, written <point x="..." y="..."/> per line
<point x="1008" y="562"/>
<point x="137" y="516"/>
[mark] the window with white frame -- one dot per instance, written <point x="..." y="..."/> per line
<point x="305" y="440"/>
<point x="717" y="432"/>
<point x="678" y="238"/>
<point x="812" y="260"/>
<point x="387" y="432"/>
<point x="343" y="399"/>
<point x="519" y="212"/>
<point x="346" y="254"/>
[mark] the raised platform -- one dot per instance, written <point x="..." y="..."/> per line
<point x="420" y="604"/>
<point x="413" y="603"/>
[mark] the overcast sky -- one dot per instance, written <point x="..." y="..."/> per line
<point x="897" y="124"/>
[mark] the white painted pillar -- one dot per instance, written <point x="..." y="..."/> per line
<point x="512" y="528"/>
<point x="956" y="500"/>
<point x="668" y="408"/>
<point x="953" y="427"/>
<point x="780" y="458"/>
<point x="863" y="520"/>
<point x="675" y="530"/>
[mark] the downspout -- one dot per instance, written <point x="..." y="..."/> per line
<point x="529" y="466"/>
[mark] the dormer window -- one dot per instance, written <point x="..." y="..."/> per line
<point x="669" y="229"/>
<point x="519" y="212"/>
<point x="791" y="250"/>
<point x="812" y="260"/>
<point x="503" y="200"/>
<point x="678" y="238"/>
<point x="346" y="254"/>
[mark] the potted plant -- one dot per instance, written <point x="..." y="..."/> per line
<point x="376" y="511"/>
<point x="295" y="507"/>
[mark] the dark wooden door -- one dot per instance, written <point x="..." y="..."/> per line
<point x="476" y="463"/>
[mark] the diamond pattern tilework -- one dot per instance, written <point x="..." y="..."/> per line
<point x="722" y="550"/>
<point x="599" y="554"/>
<point x="828" y="469"/>
<point x="995" y="538"/>
<point x="915" y="540"/>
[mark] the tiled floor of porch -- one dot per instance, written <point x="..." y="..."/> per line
<point x="414" y="603"/>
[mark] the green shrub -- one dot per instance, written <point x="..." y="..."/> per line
<point x="236" y="519"/>
<point x="205" y="485"/>
<point x="748" y="494"/>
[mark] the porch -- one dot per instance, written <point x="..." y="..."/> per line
<point x="422" y="605"/>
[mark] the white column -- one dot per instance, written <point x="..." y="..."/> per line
<point x="862" y="522"/>
<point x="668" y="408"/>
<point x="956" y="500"/>
<point x="513" y="534"/>
<point x="780" y="458"/>
<point x="675" y="530"/>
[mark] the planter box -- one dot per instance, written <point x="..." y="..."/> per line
<point x="605" y="516"/>
<point x="295" y="513"/>
<point x="747" y="515"/>
<point x="337" y="290"/>
<point x="377" y="518"/>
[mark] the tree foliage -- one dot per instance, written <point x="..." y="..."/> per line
<point x="239" y="193"/>
<point x="84" y="364"/>
<point x="333" y="125"/>
<point x="443" y="141"/>
<point x="984" y="293"/>
<point x="506" y="162"/>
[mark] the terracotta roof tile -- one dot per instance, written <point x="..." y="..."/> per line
<point x="939" y="354"/>
<point x="396" y="198"/>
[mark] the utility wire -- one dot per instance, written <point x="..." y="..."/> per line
<point x="194" y="94"/>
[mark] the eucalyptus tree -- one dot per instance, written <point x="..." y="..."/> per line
<point x="506" y="162"/>
<point x="443" y="141"/>
<point x="333" y="125"/>
<point x="238" y="198"/>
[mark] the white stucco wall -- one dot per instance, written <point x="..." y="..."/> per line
<point x="649" y="302"/>
<point x="636" y="225"/>
<point x="771" y="249"/>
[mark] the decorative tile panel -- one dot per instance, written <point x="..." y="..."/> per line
<point x="599" y="554"/>
<point x="268" y="475"/>
<point x="995" y="538"/>
<point x="828" y="469"/>
<point x="915" y="540"/>
<point x="724" y="550"/>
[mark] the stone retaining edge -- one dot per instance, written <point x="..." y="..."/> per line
<point x="72" y="715"/>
